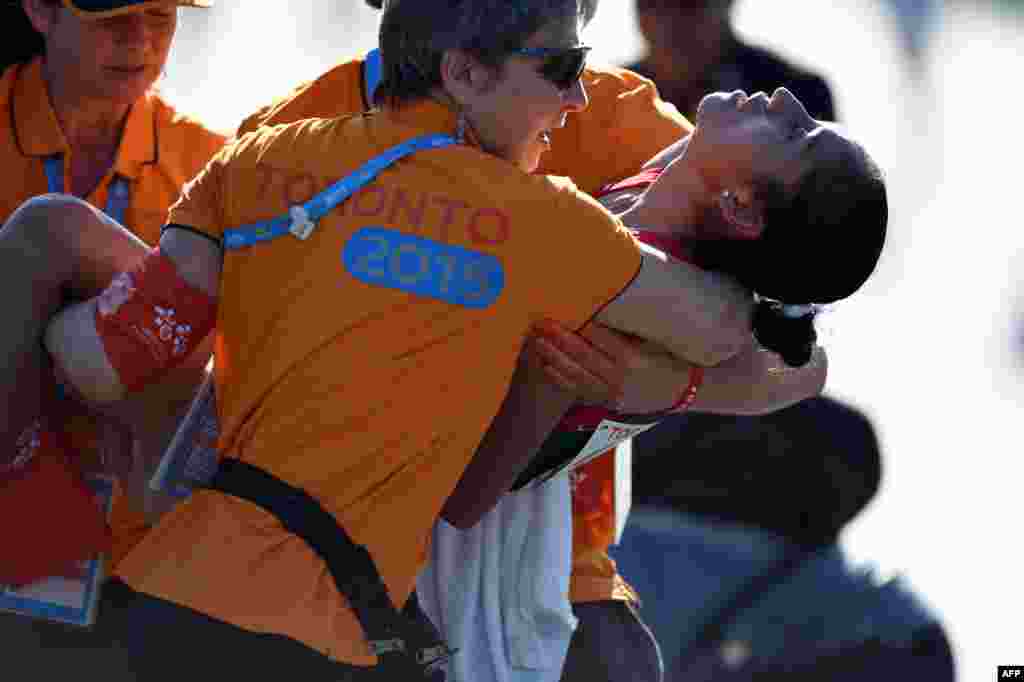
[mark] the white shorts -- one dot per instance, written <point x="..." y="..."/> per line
<point x="499" y="592"/>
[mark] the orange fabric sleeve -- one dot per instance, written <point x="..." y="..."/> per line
<point x="200" y="205"/>
<point x="625" y="125"/>
<point x="641" y="125"/>
<point x="588" y="243"/>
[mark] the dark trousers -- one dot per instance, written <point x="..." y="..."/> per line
<point x="43" y="650"/>
<point x="611" y="644"/>
<point x="140" y="637"/>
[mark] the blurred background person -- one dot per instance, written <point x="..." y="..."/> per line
<point x="735" y="552"/>
<point x="80" y="115"/>
<point x="693" y="49"/>
<point x="916" y="21"/>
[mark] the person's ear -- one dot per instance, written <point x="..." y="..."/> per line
<point x="743" y="210"/>
<point x="463" y="77"/>
<point x="41" y="15"/>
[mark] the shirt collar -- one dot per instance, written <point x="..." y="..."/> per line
<point x="431" y="116"/>
<point x="39" y="133"/>
<point x="139" y="139"/>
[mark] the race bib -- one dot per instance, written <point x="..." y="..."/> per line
<point x="607" y="435"/>
<point x="569" y="449"/>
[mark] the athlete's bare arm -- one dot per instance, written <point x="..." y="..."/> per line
<point x="753" y="382"/>
<point x="698" y="316"/>
<point x="757" y="381"/>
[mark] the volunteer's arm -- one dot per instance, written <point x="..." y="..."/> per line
<point x="187" y="288"/>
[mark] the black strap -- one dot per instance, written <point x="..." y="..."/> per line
<point x="178" y="226"/>
<point x="391" y="634"/>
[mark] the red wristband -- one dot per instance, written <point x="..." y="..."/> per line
<point x="690" y="394"/>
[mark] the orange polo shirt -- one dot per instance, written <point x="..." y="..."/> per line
<point x="368" y="395"/>
<point x="625" y="124"/>
<point x="160" y="150"/>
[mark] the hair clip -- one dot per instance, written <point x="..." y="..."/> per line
<point x="795" y="311"/>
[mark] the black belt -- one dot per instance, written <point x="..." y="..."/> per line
<point x="403" y="640"/>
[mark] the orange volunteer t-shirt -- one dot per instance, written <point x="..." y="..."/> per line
<point x="160" y="151"/>
<point x="368" y="395"/>
<point x="338" y="92"/>
<point x="623" y="127"/>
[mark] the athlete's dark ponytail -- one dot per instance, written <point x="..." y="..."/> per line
<point x="790" y="334"/>
<point x="820" y="244"/>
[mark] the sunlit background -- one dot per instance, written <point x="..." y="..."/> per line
<point x="927" y="349"/>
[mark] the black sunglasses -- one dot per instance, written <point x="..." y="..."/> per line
<point x="99" y="8"/>
<point x="563" y="66"/>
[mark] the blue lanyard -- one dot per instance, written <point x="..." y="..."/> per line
<point x="118" y="193"/>
<point x="372" y="73"/>
<point x="301" y="220"/>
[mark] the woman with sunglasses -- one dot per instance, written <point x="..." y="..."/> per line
<point x="623" y="126"/>
<point x="386" y="501"/>
<point x="81" y="116"/>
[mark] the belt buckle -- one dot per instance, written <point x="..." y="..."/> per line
<point x="387" y="646"/>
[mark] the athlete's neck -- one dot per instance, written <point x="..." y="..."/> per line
<point x="672" y="205"/>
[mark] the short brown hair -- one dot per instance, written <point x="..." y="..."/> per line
<point x="414" y="35"/>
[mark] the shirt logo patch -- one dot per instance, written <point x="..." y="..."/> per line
<point x="424" y="267"/>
